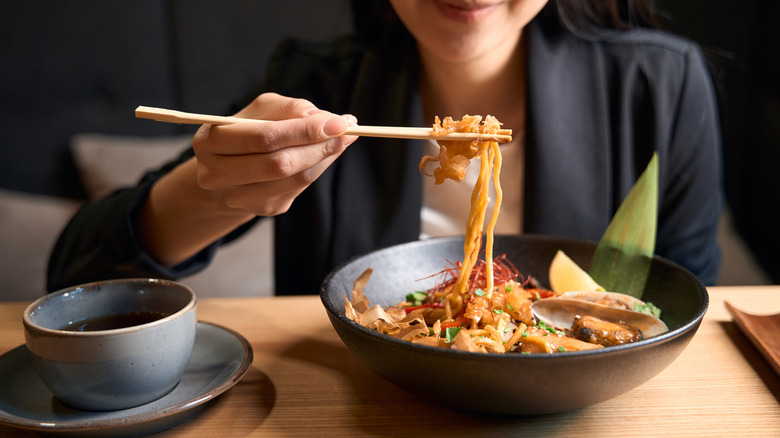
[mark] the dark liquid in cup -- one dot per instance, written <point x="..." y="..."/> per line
<point x="111" y="322"/>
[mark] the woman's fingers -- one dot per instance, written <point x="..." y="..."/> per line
<point x="283" y="163"/>
<point x="275" y="197"/>
<point x="251" y="138"/>
<point x="262" y="167"/>
<point x="272" y="106"/>
<point x="245" y="156"/>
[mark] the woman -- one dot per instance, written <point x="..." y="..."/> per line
<point x="588" y="101"/>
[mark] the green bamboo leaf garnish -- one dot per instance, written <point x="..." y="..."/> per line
<point x="623" y="256"/>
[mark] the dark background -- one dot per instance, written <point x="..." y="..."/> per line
<point x="75" y="66"/>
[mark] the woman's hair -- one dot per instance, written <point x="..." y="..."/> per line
<point x="375" y="20"/>
<point x="586" y="17"/>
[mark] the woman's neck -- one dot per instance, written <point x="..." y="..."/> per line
<point x="490" y="85"/>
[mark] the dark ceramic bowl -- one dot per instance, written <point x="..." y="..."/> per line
<point x="509" y="384"/>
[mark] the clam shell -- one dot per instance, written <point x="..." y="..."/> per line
<point x="560" y="313"/>
<point x="627" y="300"/>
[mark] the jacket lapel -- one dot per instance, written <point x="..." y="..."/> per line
<point x="377" y="189"/>
<point x="567" y="184"/>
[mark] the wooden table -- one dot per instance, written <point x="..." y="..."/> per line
<point x="304" y="382"/>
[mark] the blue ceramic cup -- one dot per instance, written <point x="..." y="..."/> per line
<point x="114" y="344"/>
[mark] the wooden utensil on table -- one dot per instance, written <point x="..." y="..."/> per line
<point x="763" y="331"/>
<point x="173" y="116"/>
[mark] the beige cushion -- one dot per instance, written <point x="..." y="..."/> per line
<point x="29" y="226"/>
<point x="106" y="163"/>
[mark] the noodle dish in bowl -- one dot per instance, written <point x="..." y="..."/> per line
<point x="508" y="383"/>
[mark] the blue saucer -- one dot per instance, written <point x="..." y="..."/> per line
<point x="219" y="359"/>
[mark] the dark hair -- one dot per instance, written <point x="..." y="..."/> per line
<point x="586" y="17"/>
<point x="375" y="20"/>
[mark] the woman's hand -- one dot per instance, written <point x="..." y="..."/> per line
<point x="262" y="168"/>
<point x="240" y="171"/>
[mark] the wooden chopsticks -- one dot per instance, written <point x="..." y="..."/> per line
<point x="173" y="116"/>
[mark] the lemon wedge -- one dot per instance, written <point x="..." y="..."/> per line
<point x="565" y="275"/>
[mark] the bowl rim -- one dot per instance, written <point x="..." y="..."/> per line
<point x="32" y="326"/>
<point x="340" y="315"/>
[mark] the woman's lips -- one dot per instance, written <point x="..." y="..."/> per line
<point x="465" y="12"/>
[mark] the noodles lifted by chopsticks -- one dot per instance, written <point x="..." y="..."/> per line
<point x="477" y="305"/>
<point x="453" y="159"/>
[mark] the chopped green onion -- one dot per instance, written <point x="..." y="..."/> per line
<point x="416" y="298"/>
<point x="562" y="349"/>
<point x="451" y="332"/>
<point x="498" y="311"/>
<point x="525" y="334"/>
<point x="479" y="292"/>
<point x="542" y="325"/>
<point x="509" y="306"/>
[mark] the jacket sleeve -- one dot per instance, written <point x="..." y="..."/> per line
<point x="100" y="241"/>
<point x="691" y="195"/>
